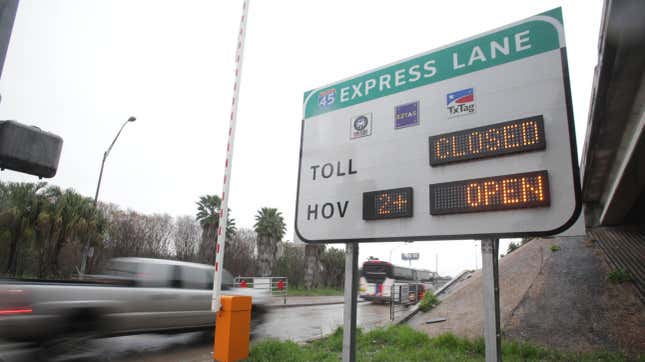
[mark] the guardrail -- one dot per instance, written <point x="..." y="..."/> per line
<point x="461" y="276"/>
<point x="452" y="281"/>
<point x="402" y="296"/>
<point x="274" y="286"/>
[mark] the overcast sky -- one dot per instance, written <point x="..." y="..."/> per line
<point x="80" y="68"/>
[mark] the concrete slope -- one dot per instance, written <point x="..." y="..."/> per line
<point x="558" y="299"/>
<point x="463" y="307"/>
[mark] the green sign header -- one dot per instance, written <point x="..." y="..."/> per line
<point x="530" y="37"/>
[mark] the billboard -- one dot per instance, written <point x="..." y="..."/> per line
<point x="409" y="256"/>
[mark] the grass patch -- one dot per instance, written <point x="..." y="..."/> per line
<point x="402" y="343"/>
<point x="317" y="292"/>
<point x="428" y="302"/>
<point x="620" y="276"/>
<point x="554" y="248"/>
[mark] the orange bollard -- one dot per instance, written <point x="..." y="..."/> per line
<point x="233" y="329"/>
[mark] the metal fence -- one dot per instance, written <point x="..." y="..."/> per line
<point x="274" y="286"/>
<point x="402" y="296"/>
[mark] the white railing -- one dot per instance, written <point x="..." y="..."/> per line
<point x="274" y="286"/>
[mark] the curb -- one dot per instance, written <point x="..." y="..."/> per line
<point x="409" y="316"/>
<point x="308" y="304"/>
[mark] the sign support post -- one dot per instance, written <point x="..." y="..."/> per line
<point x="351" y="296"/>
<point x="490" y="281"/>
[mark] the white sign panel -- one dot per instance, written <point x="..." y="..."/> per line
<point x="473" y="140"/>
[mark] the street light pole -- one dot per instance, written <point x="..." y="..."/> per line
<point x="105" y="154"/>
<point x="86" y="248"/>
<point x="98" y="186"/>
<point x="396" y="247"/>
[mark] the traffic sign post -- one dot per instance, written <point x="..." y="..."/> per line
<point x="351" y="300"/>
<point x="474" y="140"/>
<point x="490" y="288"/>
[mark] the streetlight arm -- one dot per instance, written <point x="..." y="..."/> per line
<point x="114" y="141"/>
<point x="105" y="155"/>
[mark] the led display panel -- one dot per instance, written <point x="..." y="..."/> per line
<point x="387" y="204"/>
<point x="520" y="135"/>
<point x="517" y="191"/>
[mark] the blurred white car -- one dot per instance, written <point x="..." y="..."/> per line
<point x="133" y="295"/>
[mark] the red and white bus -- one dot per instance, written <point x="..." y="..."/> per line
<point x="377" y="278"/>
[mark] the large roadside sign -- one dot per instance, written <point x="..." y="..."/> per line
<point x="472" y="140"/>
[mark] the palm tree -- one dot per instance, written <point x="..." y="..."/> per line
<point x="270" y="228"/>
<point x="208" y="209"/>
<point x="77" y="221"/>
<point x="21" y="207"/>
<point x="312" y="264"/>
<point x="38" y="221"/>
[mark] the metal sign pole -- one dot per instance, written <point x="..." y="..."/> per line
<point x="351" y="296"/>
<point x="490" y="288"/>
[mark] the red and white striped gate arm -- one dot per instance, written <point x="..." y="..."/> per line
<point x="223" y="214"/>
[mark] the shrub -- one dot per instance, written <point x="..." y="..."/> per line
<point x="620" y="276"/>
<point x="554" y="248"/>
<point x="428" y="302"/>
<point x="512" y="247"/>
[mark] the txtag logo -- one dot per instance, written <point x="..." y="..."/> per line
<point x="461" y="102"/>
<point x="327" y="98"/>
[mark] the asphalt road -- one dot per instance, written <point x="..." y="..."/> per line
<point x="294" y="323"/>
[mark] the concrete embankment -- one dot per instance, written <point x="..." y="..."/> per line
<point x="560" y="299"/>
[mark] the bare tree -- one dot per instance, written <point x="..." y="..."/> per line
<point x="134" y="234"/>
<point x="186" y="238"/>
<point x="157" y="232"/>
<point x="292" y="264"/>
<point x="239" y="256"/>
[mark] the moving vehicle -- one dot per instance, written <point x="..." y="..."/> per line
<point x="378" y="277"/>
<point x="134" y="295"/>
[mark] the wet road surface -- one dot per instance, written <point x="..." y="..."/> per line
<point x="294" y="323"/>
